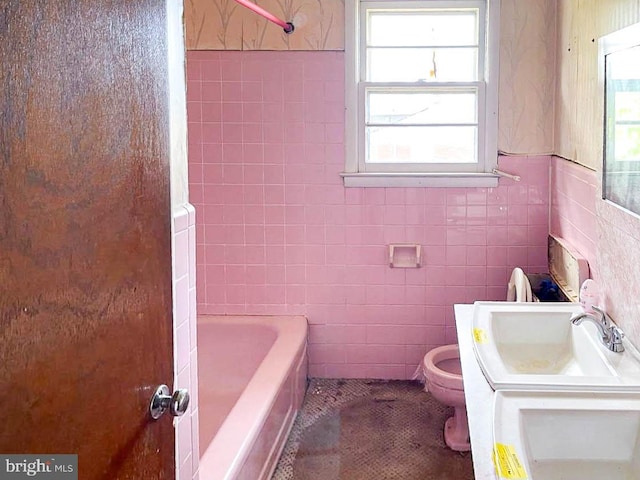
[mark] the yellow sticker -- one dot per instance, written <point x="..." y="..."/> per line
<point x="507" y="463"/>
<point x="479" y="336"/>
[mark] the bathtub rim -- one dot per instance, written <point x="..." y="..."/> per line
<point x="226" y="453"/>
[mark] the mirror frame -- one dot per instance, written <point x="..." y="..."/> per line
<point x="618" y="41"/>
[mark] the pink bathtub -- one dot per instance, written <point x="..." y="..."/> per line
<point x="252" y="373"/>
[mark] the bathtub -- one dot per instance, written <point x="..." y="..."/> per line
<point x="252" y="373"/>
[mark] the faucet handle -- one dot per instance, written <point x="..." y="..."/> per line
<point x="617" y="333"/>
<point x="616" y="340"/>
<point x="604" y="318"/>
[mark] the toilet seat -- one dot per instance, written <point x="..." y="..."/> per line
<point x="519" y="287"/>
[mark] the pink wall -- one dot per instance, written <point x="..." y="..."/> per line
<point x="277" y="232"/>
<point x="573" y="207"/>
<point x="605" y="234"/>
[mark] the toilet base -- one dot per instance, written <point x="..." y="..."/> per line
<point x="456" y="431"/>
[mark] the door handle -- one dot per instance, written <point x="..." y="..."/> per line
<point x="161" y="401"/>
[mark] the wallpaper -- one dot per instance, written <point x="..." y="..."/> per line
<point x="527" y="49"/>
<point x="527" y="75"/>
<point x="227" y="25"/>
<point x="565" y="86"/>
<point x="579" y="94"/>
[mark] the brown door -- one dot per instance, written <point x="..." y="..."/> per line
<point x="85" y="247"/>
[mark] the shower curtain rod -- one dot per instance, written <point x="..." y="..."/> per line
<point x="286" y="26"/>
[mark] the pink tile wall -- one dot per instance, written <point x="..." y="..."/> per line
<point x="278" y="233"/>
<point x="605" y="234"/>
<point x="573" y="207"/>
<point x="184" y="345"/>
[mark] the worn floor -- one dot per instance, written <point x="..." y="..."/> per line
<point x="370" y="430"/>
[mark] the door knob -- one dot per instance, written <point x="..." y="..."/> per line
<point x="161" y="401"/>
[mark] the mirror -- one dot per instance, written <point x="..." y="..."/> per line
<point x="621" y="169"/>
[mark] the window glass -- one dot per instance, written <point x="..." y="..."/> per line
<point x="415" y="28"/>
<point x="421" y="107"/>
<point x="421" y="144"/>
<point x="422" y="64"/>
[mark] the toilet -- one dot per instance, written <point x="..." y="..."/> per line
<point x="441" y="367"/>
<point x="443" y="373"/>
<point x="443" y="379"/>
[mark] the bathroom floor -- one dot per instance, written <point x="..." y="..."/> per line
<point x="370" y="430"/>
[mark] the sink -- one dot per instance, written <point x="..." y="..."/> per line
<point x="567" y="435"/>
<point x="534" y="346"/>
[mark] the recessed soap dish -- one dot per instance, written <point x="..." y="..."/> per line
<point x="405" y="255"/>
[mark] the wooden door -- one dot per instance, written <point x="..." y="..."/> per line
<point x="85" y="246"/>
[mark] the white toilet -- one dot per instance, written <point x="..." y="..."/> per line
<point x="443" y="373"/>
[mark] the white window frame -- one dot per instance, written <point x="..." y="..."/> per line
<point x="443" y="175"/>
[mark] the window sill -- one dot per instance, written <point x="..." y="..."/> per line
<point x="487" y="180"/>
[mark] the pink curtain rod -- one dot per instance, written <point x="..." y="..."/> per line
<point x="287" y="26"/>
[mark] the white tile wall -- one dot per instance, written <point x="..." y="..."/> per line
<point x="184" y="344"/>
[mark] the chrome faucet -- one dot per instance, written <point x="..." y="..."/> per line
<point x="610" y="334"/>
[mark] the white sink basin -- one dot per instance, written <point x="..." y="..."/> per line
<point x="534" y="346"/>
<point x="568" y="435"/>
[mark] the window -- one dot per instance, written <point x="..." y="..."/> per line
<point x="421" y="95"/>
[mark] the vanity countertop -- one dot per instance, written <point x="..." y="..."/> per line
<point x="479" y="398"/>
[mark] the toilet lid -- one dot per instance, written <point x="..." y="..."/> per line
<point x="519" y="288"/>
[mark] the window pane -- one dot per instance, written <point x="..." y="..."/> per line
<point x="422" y="144"/>
<point x="414" y="28"/>
<point x="422" y="64"/>
<point x="421" y="107"/>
